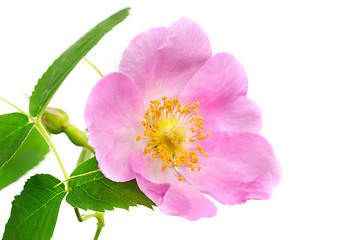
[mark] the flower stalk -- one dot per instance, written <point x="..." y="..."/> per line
<point x="100" y="223"/>
<point x="84" y="156"/>
<point x="77" y="137"/>
<point x="98" y="215"/>
<point x="48" y="140"/>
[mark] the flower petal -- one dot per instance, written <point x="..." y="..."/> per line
<point x="240" y="166"/>
<point x="112" y="115"/>
<point x="220" y="86"/>
<point x="241" y="115"/>
<point x="154" y="191"/>
<point x="173" y="197"/>
<point x="161" y="61"/>
<point x="183" y="200"/>
<point x="219" y="81"/>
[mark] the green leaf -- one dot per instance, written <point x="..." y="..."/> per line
<point x="58" y="71"/>
<point x="34" y="212"/>
<point x="14" y="128"/>
<point x="98" y="193"/>
<point x="31" y="152"/>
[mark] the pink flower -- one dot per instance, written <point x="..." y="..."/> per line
<point x="141" y="127"/>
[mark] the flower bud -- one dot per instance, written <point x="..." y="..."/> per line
<point x="55" y="120"/>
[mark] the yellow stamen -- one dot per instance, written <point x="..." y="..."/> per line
<point x="170" y="132"/>
<point x="199" y="148"/>
<point x="164" y="166"/>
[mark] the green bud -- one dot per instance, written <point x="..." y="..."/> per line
<point x="55" y="120"/>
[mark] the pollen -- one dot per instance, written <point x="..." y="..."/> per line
<point x="172" y="133"/>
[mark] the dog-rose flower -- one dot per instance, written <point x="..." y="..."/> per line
<point x="178" y="120"/>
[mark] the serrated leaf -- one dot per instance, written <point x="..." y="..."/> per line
<point x="14" y="128"/>
<point x="34" y="212"/>
<point x="58" y="71"/>
<point x="31" y="152"/>
<point x="98" y="193"/>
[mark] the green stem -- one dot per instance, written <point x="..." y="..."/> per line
<point x="44" y="134"/>
<point x="94" y="67"/>
<point x="78" y="215"/>
<point x="2" y="221"/>
<point x="48" y="140"/>
<point x="84" y="156"/>
<point x="76" y="176"/>
<point x="77" y="137"/>
<point x="33" y="119"/>
<point x="100" y="224"/>
<point x="98" y="231"/>
<point x="98" y="215"/>
<point x="82" y="218"/>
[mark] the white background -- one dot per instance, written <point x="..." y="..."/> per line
<point x="302" y="61"/>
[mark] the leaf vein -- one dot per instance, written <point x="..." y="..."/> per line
<point x="13" y="132"/>
<point x="38" y="209"/>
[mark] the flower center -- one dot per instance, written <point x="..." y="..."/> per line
<point x="172" y="134"/>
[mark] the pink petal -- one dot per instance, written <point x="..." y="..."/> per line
<point x="150" y="169"/>
<point x="161" y="61"/>
<point x="183" y="200"/>
<point x="241" y="115"/>
<point x="170" y="195"/>
<point x="220" y="86"/>
<point x="112" y="115"/>
<point x="219" y="81"/>
<point x="240" y="166"/>
<point x="154" y="191"/>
